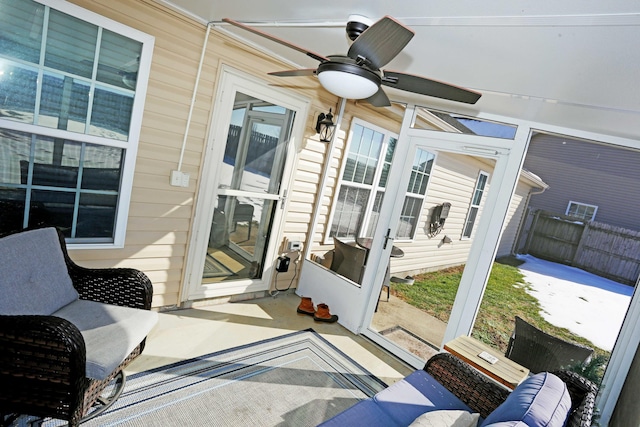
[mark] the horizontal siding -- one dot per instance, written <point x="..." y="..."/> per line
<point x="586" y="172"/>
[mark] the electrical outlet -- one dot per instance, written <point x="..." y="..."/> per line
<point x="179" y="179"/>
<point x="294" y="246"/>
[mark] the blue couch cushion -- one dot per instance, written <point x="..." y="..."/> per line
<point x="411" y="397"/>
<point x="33" y="274"/>
<point x="542" y="400"/>
<point x="364" y="413"/>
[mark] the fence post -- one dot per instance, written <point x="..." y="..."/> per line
<point x="532" y="230"/>
<point x="584" y="237"/>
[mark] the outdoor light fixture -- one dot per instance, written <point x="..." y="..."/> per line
<point x="325" y="126"/>
<point x="446" y="239"/>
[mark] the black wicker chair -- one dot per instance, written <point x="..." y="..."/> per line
<point x="43" y="358"/>
<point x="484" y="395"/>
<point x="539" y="351"/>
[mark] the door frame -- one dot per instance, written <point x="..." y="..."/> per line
<point x="231" y="81"/>
<point x="509" y="156"/>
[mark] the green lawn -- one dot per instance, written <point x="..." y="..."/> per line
<point x="504" y="298"/>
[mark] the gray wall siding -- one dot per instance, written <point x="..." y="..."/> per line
<point x="590" y="173"/>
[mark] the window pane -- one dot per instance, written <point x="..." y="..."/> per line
<point x="111" y="114"/>
<point x="14" y="148"/>
<point x="18" y="85"/>
<point x="21" y="23"/>
<point x="349" y="211"/>
<point x="96" y="215"/>
<point x="71" y="44"/>
<point x="11" y="208"/>
<point x="468" y="228"/>
<point x="119" y="60"/>
<point x="375" y="214"/>
<point x="54" y="207"/>
<point x="64" y="102"/>
<point x="455" y="123"/>
<point x="409" y="217"/>
<point x="101" y="168"/>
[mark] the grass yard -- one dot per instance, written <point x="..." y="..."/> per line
<point x="504" y="298"/>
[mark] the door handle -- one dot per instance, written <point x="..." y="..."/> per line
<point x="283" y="199"/>
<point x="387" y="238"/>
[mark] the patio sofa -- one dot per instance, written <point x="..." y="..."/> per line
<point x="446" y="386"/>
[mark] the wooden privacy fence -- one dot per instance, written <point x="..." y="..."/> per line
<point x="602" y="249"/>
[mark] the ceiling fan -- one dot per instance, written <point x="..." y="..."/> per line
<point x="358" y="74"/>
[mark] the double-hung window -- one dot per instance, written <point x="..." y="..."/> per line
<point x="363" y="183"/>
<point x="581" y="210"/>
<point x="72" y="88"/>
<point x="476" y="200"/>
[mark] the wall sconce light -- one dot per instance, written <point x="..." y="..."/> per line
<point x="325" y="126"/>
<point x="446" y="239"/>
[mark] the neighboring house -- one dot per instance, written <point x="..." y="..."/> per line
<point x="587" y="180"/>
<point x="131" y="104"/>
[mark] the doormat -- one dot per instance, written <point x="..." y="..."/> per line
<point x="410" y="342"/>
<point x="299" y="379"/>
<point x="214" y="268"/>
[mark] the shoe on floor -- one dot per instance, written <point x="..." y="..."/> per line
<point x="306" y="307"/>
<point x="323" y="315"/>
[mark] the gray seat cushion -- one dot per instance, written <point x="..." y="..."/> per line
<point x="110" y="332"/>
<point x="33" y="274"/>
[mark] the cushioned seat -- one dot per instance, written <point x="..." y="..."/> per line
<point x="447" y="386"/>
<point x="67" y="332"/>
<point x="110" y="332"/>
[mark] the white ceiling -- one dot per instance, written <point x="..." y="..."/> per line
<point x="572" y="63"/>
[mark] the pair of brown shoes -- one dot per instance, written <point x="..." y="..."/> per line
<point x="321" y="314"/>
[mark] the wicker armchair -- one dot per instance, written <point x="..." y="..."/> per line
<point x="484" y="395"/>
<point x="539" y="351"/>
<point x="43" y="365"/>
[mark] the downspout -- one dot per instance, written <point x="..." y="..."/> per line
<point x="523" y="222"/>
<point x="178" y="178"/>
<point x="323" y="181"/>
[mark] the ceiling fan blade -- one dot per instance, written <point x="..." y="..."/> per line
<point x="309" y="53"/>
<point x="379" y="99"/>
<point x="424" y="86"/>
<point x="381" y="42"/>
<point x="294" y="73"/>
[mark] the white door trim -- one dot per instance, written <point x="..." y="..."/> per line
<point x="230" y="82"/>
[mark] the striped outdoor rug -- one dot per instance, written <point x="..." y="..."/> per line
<point x="299" y="379"/>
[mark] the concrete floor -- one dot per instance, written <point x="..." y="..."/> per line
<point x="187" y="333"/>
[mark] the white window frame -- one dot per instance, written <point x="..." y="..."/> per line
<point x="421" y="197"/>
<point x="581" y="205"/>
<point x="130" y="146"/>
<point x="475" y="206"/>
<point x="374" y="187"/>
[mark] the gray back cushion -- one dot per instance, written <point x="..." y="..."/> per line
<point x="33" y="275"/>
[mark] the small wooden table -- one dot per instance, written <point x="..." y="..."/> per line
<point x="504" y="371"/>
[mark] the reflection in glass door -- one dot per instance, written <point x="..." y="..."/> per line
<point x="442" y="204"/>
<point x="249" y="187"/>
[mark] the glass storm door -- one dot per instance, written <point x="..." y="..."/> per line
<point x="246" y="172"/>
<point x="434" y="217"/>
<point x="248" y="190"/>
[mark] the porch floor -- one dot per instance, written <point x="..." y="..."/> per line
<point x="187" y="333"/>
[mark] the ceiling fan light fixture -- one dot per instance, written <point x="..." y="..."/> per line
<point x="348" y="81"/>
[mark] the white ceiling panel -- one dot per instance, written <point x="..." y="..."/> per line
<point x="572" y="64"/>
